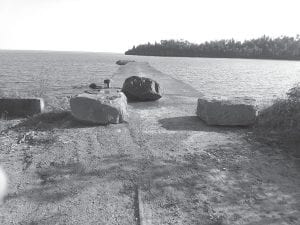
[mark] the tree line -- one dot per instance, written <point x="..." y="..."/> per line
<point x="262" y="48"/>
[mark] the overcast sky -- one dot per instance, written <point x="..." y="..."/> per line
<point x="116" y="25"/>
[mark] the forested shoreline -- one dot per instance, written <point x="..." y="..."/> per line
<point x="261" y="48"/>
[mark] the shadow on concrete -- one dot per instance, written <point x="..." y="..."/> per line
<point x="193" y="123"/>
<point x="167" y="101"/>
<point x="52" y="120"/>
<point x="145" y="104"/>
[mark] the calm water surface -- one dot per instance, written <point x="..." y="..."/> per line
<point x="60" y="73"/>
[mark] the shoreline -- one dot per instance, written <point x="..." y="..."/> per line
<point x="208" y="57"/>
<point x="57" y="51"/>
<point x="123" y="54"/>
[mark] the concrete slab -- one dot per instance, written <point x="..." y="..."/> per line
<point x="20" y="107"/>
<point x="227" y="111"/>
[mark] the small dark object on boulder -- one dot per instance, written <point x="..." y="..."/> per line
<point x="141" y="89"/>
<point x="107" y="83"/>
<point x="95" y="86"/>
<point x="124" y="62"/>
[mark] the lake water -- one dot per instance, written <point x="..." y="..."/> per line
<point x="29" y="73"/>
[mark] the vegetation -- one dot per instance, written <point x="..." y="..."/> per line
<point x="261" y="48"/>
<point x="282" y="120"/>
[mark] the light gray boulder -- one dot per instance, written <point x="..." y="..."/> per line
<point x="227" y="112"/>
<point x="104" y="107"/>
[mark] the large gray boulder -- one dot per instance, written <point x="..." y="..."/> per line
<point x="141" y="89"/>
<point x="227" y="112"/>
<point x="104" y="107"/>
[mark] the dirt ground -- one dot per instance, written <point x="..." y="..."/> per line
<point x="64" y="172"/>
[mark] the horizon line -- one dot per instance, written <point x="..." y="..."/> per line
<point x="66" y="51"/>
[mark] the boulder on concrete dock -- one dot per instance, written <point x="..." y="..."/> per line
<point x="124" y="62"/>
<point x="227" y="112"/>
<point x="104" y="107"/>
<point x="20" y="107"/>
<point x="141" y="89"/>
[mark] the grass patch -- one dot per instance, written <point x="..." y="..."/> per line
<point x="281" y="121"/>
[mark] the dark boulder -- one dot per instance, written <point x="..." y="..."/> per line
<point x="141" y="89"/>
<point x="124" y="62"/>
<point x="95" y="86"/>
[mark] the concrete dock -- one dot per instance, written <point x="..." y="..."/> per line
<point x="63" y="172"/>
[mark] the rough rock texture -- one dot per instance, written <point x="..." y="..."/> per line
<point x="227" y="112"/>
<point x="141" y="89"/>
<point x="104" y="107"/>
<point x="20" y="107"/>
<point x="124" y="62"/>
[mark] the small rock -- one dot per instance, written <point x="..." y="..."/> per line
<point x="95" y="86"/>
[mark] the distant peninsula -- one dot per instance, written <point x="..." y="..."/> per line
<point x="261" y="48"/>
